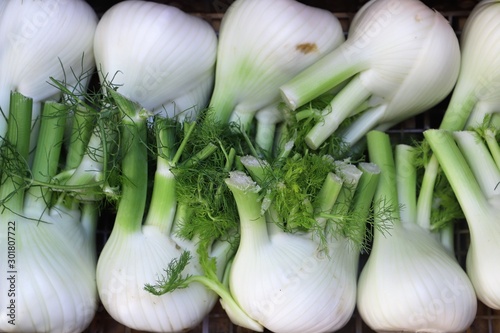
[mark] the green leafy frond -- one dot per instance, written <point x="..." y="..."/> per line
<point x="173" y="278"/>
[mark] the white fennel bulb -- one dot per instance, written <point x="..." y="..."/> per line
<point x="471" y="162"/>
<point x="128" y="262"/>
<point x="144" y="244"/>
<point x="38" y="43"/>
<point x="156" y="54"/>
<point x="188" y="106"/>
<point x="53" y="278"/>
<point x="49" y="239"/>
<point x="161" y="61"/>
<point x="292" y="281"/>
<point x="400" y="57"/>
<point x="477" y="92"/>
<point x="474" y="99"/>
<point x="262" y="44"/>
<point x="411" y="282"/>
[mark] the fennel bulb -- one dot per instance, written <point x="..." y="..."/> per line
<point x="475" y="94"/>
<point x="477" y="91"/>
<point x="474" y="102"/>
<point x="471" y="163"/>
<point x="136" y="253"/>
<point x="50" y="238"/>
<point x="410" y="282"/>
<point x="38" y="43"/>
<point x="161" y="61"/>
<point x="262" y="44"/>
<point x="157" y="56"/>
<point x="399" y="59"/>
<point x="299" y="281"/>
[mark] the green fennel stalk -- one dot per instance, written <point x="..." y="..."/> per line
<point x="15" y="152"/>
<point x="134" y="165"/>
<point x="380" y="152"/>
<point x="47" y="154"/>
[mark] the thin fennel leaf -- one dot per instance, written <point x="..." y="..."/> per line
<point x="173" y="278"/>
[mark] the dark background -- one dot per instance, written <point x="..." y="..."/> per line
<point x="219" y="6"/>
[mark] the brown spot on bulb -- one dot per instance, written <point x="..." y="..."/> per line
<point x="306" y="48"/>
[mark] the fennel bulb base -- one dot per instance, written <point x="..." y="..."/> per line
<point x="129" y="261"/>
<point x="52" y="282"/>
<point x="482" y="269"/>
<point x="292" y="286"/>
<point x="411" y="284"/>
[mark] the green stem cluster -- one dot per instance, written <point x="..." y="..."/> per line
<point x="47" y="154"/>
<point x="15" y="152"/>
<point x="470" y="169"/>
<point x="24" y="185"/>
